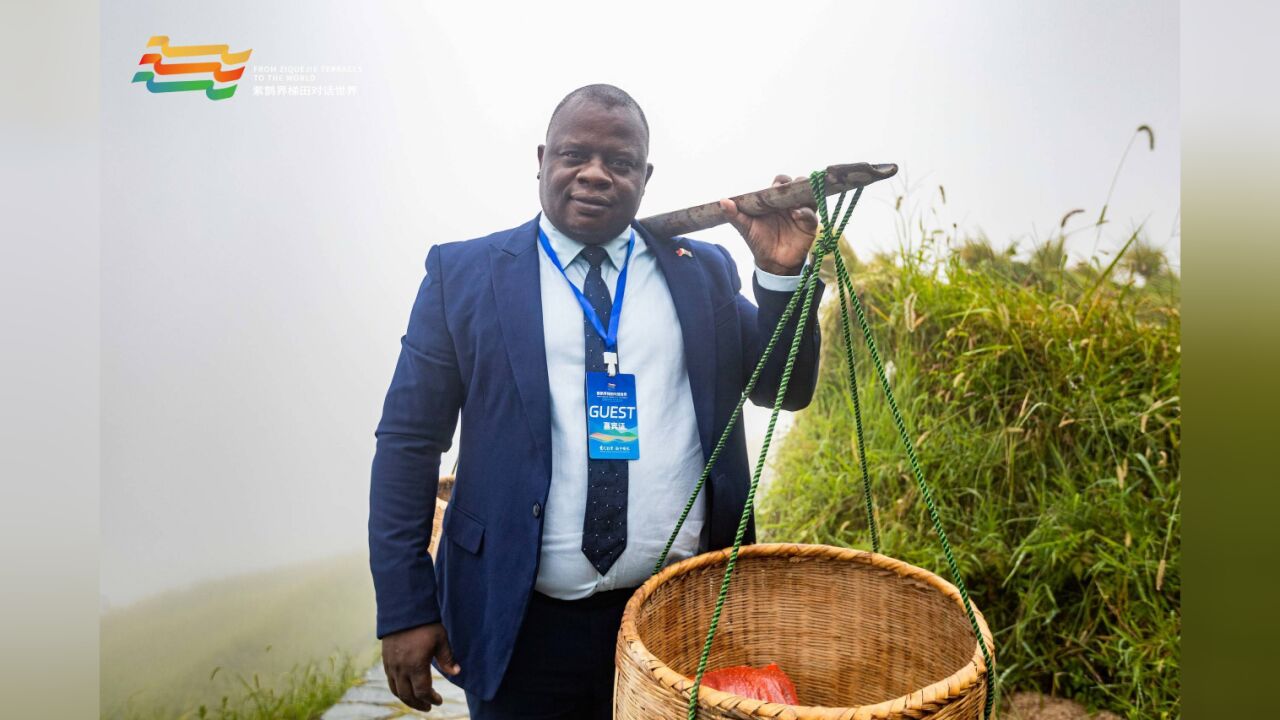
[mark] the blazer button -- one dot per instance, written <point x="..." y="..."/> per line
<point x="537" y="510"/>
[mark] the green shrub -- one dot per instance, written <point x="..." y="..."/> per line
<point x="1044" y="404"/>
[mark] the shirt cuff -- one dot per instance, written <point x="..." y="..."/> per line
<point x="778" y="283"/>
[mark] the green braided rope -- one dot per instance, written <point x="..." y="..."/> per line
<point x="926" y="493"/>
<point x="751" y="384"/>
<point x="810" y="284"/>
<point x="843" y="277"/>
<point x="733" y="419"/>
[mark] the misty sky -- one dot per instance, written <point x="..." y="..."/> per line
<point x="260" y="254"/>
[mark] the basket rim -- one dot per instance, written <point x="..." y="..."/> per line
<point x="941" y="691"/>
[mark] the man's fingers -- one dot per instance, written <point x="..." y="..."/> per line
<point x="402" y="687"/>
<point x="736" y="218"/>
<point x="781" y="179"/>
<point x="422" y="690"/>
<point x="806" y="218"/>
<point x="444" y="658"/>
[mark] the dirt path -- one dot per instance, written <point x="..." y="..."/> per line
<point x="1034" y="706"/>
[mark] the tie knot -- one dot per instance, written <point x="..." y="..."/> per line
<point x="594" y="254"/>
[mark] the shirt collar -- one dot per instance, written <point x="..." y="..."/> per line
<point x="567" y="248"/>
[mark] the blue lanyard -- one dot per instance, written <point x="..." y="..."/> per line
<point x="609" y="336"/>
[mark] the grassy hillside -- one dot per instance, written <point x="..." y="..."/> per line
<point x="1044" y="403"/>
<point x="303" y="631"/>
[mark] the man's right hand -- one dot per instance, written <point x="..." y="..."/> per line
<point x="406" y="656"/>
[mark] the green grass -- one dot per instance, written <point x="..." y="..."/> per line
<point x="1044" y="404"/>
<point x="283" y="644"/>
<point x="302" y="693"/>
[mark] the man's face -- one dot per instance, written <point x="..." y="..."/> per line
<point x="593" y="170"/>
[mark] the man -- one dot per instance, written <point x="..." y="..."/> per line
<point x="551" y="527"/>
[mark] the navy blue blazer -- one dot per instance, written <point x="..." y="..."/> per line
<point x="474" y="345"/>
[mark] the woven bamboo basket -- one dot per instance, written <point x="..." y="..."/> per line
<point x="443" y="493"/>
<point x="861" y="635"/>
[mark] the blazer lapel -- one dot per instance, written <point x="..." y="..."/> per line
<point x="513" y="261"/>
<point x="691" y="294"/>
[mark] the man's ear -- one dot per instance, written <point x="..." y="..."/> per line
<point x="541" y="148"/>
<point x="647" y="173"/>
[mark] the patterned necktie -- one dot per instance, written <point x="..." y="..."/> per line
<point x="604" y="529"/>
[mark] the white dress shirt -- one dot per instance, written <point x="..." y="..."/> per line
<point x="650" y="346"/>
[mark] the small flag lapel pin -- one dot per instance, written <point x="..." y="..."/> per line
<point x="682" y="252"/>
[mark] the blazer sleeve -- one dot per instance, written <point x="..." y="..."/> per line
<point x="758" y="324"/>
<point x="418" y="420"/>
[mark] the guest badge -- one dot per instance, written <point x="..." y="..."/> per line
<point x="613" y="433"/>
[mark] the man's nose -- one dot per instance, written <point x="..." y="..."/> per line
<point x="595" y="174"/>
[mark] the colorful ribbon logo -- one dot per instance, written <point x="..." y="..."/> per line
<point x="217" y="70"/>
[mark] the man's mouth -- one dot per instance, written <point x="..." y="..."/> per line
<point x="591" y="201"/>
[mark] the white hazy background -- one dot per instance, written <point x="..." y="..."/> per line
<point x="260" y="255"/>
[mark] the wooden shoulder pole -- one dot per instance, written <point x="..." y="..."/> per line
<point x="797" y="193"/>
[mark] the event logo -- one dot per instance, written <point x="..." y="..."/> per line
<point x="217" y="76"/>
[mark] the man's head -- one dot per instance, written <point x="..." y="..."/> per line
<point x="595" y="163"/>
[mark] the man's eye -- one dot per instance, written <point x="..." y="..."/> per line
<point x="624" y="164"/>
<point x="574" y="154"/>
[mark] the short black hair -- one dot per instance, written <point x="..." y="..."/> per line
<point x="609" y="96"/>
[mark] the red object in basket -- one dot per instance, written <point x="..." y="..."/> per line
<point x="768" y="683"/>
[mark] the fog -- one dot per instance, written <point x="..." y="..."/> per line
<point x="260" y="254"/>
